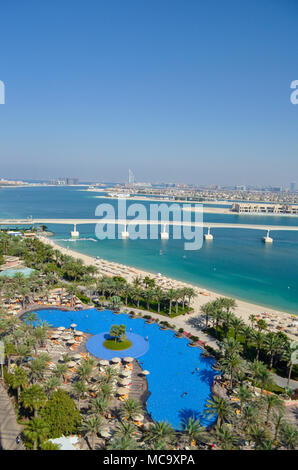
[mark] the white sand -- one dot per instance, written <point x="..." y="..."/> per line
<point x="242" y="310"/>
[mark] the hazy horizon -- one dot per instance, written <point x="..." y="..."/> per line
<point x="187" y="92"/>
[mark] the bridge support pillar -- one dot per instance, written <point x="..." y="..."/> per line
<point x="208" y="235"/>
<point x="125" y="233"/>
<point x="164" y="235"/>
<point x="75" y="233"/>
<point x="267" y="238"/>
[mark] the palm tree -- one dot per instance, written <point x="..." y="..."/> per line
<point x="220" y="407"/>
<point x="261" y="374"/>
<point x="60" y="371"/>
<point x="137" y="295"/>
<point x="252" y="319"/>
<point x="158" y="296"/>
<point x="36" y="431"/>
<point x="217" y="316"/>
<point x="37" y="369"/>
<point x="289" y="436"/>
<point x="259" y="435"/>
<point x="171" y="295"/>
<point x="130" y="409"/>
<point x="125" y="429"/>
<point x="51" y="385"/>
<point x="226" y="437"/>
<point x="227" y="303"/>
<point x="291" y="356"/>
<point x="149" y="295"/>
<point x="124" y="443"/>
<point x="79" y="389"/>
<point x="92" y="424"/>
<point x="244" y="395"/>
<point x="33" y="398"/>
<point x="72" y="290"/>
<point x="99" y="405"/>
<point x="10" y="351"/>
<point x="258" y="338"/>
<point x="207" y="310"/>
<point x="278" y="420"/>
<point x="272" y="402"/>
<point x="232" y="364"/>
<point x="84" y="371"/>
<point x="193" y="430"/>
<point x="230" y="346"/>
<point x="237" y="324"/>
<point x="18" y="380"/>
<point x="30" y="317"/>
<point x="161" y="430"/>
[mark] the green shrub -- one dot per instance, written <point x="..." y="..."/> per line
<point x="61" y="415"/>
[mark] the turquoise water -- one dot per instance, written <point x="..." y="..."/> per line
<point x="170" y="361"/>
<point x="236" y="263"/>
<point x="11" y="272"/>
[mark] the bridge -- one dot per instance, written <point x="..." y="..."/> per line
<point x="164" y="235"/>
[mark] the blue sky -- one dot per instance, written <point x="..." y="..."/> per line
<point x="177" y="90"/>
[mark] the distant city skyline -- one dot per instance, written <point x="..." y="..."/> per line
<point x="192" y="92"/>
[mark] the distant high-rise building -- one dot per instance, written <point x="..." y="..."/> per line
<point x="292" y="186"/>
<point x="131" y="178"/>
<point x="72" y="181"/>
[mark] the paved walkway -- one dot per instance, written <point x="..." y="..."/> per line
<point x="181" y="322"/>
<point x="9" y="428"/>
<point x="283" y="382"/>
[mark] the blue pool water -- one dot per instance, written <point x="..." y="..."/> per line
<point x="138" y="348"/>
<point x="11" y="272"/>
<point x="169" y="360"/>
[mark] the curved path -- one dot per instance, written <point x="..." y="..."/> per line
<point x="9" y="428"/>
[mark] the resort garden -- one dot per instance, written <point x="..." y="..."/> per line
<point x="60" y="391"/>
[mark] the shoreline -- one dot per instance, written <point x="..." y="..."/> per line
<point x="243" y="309"/>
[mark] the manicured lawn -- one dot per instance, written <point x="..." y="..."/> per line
<point x="117" y="345"/>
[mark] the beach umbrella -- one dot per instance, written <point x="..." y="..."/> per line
<point x="122" y="391"/>
<point x="55" y="335"/>
<point x="139" y="417"/>
<point x="61" y="328"/>
<point x="105" y="432"/>
<point x="79" y="333"/>
<point x="72" y="364"/>
<point x="76" y="357"/>
<point x="116" y="360"/>
<point x="103" y="362"/>
<point x="126" y="373"/>
<point x="148" y="425"/>
<point x="145" y="372"/>
<point x="125" y="381"/>
<point x="67" y="337"/>
<point x="128" y="359"/>
<point x="73" y="325"/>
<point x="70" y="341"/>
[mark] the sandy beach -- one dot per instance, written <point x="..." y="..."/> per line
<point x="276" y="320"/>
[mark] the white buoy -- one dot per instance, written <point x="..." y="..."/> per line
<point x="208" y="235"/>
<point x="164" y="235"/>
<point x="75" y="233"/>
<point x="267" y="239"/>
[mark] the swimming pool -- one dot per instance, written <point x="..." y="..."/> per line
<point x="11" y="272"/>
<point x="177" y="389"/>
